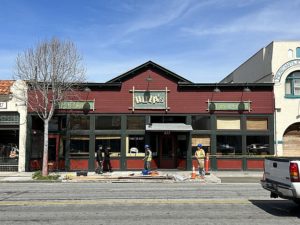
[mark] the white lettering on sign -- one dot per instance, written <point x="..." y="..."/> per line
<point x="152" y="99"/>
<point x="3" y="105"/>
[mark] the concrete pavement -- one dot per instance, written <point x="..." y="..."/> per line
<point x="136" y="176"/>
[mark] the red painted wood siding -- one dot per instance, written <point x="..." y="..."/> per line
<point x="229" y="164"/>
<point x="192" y="101"/>
<point x="255" y="164"/>
<point x="138" y="164"/>
<point x="179" y="101"/>
<point x="79" y="164"/>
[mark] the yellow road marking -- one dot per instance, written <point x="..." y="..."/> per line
<point x="124" y="202"/>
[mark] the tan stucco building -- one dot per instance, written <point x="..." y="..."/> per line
<point x="278" y="63"/>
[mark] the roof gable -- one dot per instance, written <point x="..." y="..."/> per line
<point x="146" y="66"/>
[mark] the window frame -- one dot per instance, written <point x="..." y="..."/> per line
<point x="291" y="82"/>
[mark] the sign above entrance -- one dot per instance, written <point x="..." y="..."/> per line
<point x="149" y="99"/>
<point x="76" y="105"/>
<point x="229" y="106"/>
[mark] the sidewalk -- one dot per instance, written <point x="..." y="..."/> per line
<point x="133" y="176"/>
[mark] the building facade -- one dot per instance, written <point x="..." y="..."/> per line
<point x="279" y="63"/>
<point x="13" y="123"/>
<point x="152" y="105"/>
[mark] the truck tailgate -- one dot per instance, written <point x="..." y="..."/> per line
<point x="277" y="169"/>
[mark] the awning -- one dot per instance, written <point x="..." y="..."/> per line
<point x="168" y="127"/>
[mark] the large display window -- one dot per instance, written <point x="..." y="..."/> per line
<point x="79" y="145"/>
<point x="258" y="145"/>
<point x="135" y="145"/>
<point x="112" y="141"/>
<point x="229" y="145"/>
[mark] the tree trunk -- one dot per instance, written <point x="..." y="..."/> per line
<point x="45" y="153"/>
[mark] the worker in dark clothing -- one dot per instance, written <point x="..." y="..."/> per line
<point x="107" y="159"/>
<point x="99" y="158"/>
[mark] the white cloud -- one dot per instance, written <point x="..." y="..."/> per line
<point x="278" y="17"/>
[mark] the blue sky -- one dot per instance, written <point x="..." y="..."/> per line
<point x="201" y="40"/>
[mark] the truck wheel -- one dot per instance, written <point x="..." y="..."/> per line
<point x="297" y="201"/>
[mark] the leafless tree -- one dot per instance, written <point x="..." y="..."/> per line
<point x="53" y="71"/>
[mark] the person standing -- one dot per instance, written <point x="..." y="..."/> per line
<point x="200" y="155"/>
<point x="99" y="158"/>
<point x="148" y="158"/>
<point x="107" y="159"/>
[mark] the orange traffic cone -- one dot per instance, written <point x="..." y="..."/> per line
<point x="207" y="164"/>
<point x="193" y="173"/>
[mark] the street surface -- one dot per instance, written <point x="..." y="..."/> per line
<point x="142" y="203"/>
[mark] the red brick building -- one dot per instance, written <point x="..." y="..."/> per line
<point x="152" y="105"/>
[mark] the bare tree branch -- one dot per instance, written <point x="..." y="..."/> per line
<point x="53" y="70"/>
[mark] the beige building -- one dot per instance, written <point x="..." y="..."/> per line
<point x="279" y="63"/>
<point x="13" y="123"/>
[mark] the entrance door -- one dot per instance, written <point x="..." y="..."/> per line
<point x="53" y="149"/>
<point x="167" y="152"/>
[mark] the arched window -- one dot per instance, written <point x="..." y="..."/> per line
<point x="298" y="52"/>
<point x="292" y="85"/>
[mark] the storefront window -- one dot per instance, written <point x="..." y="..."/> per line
<point x="258" y="145"/>
<point x="135" y="122"/>
<point x="257" y="124"/>
<point x="79" y="145"/>
<point x="181" y="150"/>
<point x="57" y="123"/>
<point x="80" y="122"/>
<point x="114" y="142"/>
<point x="201" y="122"/>
<point x="228" y="123"/>
<point x="136" y="145"/>
<point x="108" y="123"/>
<point x="229" y="145"/>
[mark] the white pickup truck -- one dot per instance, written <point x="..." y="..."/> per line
<point x="281" y="177"/>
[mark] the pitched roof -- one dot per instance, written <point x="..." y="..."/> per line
<point x="145" y="66"/>
<point x="5" y="86"/>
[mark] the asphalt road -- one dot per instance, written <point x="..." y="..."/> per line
<point x="142" y="203"/>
